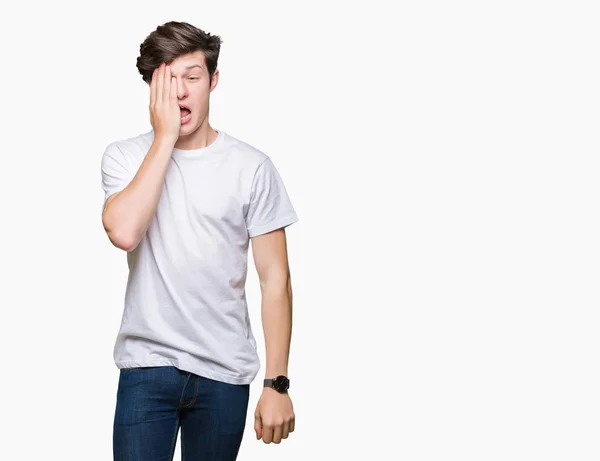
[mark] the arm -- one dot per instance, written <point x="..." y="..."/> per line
<point x="271" y="261"/>
<point x="127" y="214"/>
<point x="274" y="417"/>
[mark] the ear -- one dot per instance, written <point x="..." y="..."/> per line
<point x="214" y="81"/>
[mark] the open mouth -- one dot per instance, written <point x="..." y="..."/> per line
<point x="186" y="114"/>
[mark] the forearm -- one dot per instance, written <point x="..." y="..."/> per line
<point x="277" y="326"/>
<point x="127" y="217"/>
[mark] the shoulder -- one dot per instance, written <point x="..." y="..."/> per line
<point x="129" y="151"/>
<point x="133" y="145"/>
<point x="244" y="153"/>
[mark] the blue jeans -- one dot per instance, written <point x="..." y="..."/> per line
<point x="154" y="402"/>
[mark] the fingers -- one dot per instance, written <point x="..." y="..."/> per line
<point x="173" y="92"/>
<point x="152" y="86"/>
<point x="285" y="432"/>
<point x="166" y="85"/>
<point x="273" y="432"/>
<point x="163" y="86"/>
<point x="267" y="434"/>
<point x="160" y="78"/>
<point x="152" y="93"/>
<point x="257" y="427"/>
<point x="277" y="432"/>
<point x="262" y="431"/>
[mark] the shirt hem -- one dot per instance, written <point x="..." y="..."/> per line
<point x="283" y="222"/>
<point x="216" y="376"/>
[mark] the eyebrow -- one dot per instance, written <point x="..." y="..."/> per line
<point x="188" y="68"/>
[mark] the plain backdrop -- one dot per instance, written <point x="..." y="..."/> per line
<point x="443" y="158"/>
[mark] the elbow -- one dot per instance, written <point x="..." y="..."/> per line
<point x="120" y="238"/>
<point x="123" y="243"/>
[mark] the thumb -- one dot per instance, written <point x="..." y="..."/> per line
<point x="258" y="426"/>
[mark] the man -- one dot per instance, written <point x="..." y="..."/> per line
<point x="184" y="200"/>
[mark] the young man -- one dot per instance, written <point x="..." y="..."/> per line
<point x="184" y="200"/>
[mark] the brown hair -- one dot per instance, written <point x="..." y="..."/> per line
<point x="174" y="39"/>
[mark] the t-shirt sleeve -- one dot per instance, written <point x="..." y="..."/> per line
<point x="270" y="207"/>
<point x="117" y="171"/>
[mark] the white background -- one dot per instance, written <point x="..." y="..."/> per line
<point x="443" y="160"/>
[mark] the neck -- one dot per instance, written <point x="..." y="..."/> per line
<point x="199" y="139"/>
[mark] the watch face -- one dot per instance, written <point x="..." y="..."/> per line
<point x="281" y="383"/>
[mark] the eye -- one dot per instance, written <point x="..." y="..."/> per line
<point x="193" y="78"/>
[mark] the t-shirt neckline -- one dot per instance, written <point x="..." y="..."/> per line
<point x="203" y="150"/>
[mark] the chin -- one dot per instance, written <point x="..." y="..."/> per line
<point x="188" y="129"/>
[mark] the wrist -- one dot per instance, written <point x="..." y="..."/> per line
<point x="275" y="374"/>
<point x="165" y="141"/>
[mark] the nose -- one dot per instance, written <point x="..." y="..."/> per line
<point x="181" y="89"/>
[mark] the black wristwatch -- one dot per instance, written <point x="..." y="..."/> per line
<point x="281" y="384"/>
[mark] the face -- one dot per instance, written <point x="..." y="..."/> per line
<point x="193" y="92"/>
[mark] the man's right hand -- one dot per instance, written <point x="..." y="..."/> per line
<point x="165" y="115"/>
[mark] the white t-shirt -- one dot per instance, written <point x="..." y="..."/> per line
<point x="185" y="302"/>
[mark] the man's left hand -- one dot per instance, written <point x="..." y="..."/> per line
<point x="274" y="417"/>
